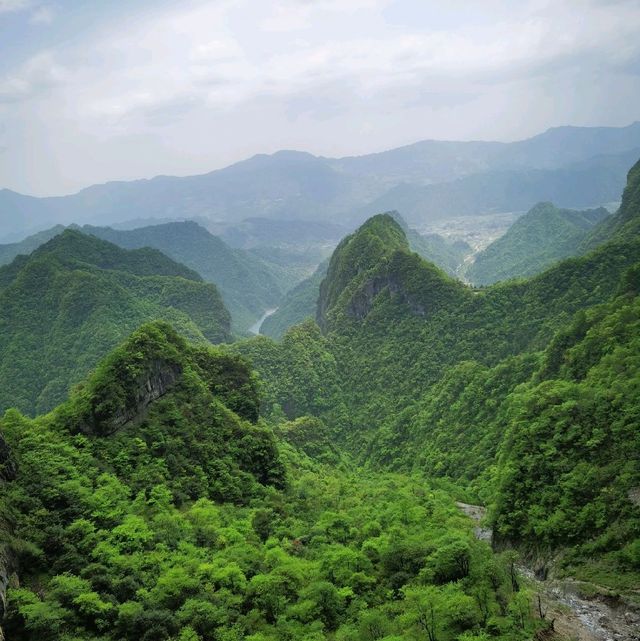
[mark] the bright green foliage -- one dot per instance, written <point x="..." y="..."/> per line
<point x="300" y="373"/>
<point x="539" y="238"/>
<point x="338" y="555"/>
<point x="526" y="391"/>
<point x="155" y="504"/>
<point x="70" y="302"/>
<point x="569" y="461"/>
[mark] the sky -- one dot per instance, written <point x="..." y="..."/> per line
<point x="99" y="91"/>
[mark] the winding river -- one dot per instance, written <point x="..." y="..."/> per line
<point x="255" y="328"/>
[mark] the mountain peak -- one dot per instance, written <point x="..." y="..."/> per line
<point x="377" y="258"/>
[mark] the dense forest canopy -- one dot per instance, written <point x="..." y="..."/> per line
<point x="158" y="487"/>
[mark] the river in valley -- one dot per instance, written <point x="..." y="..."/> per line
<point x="255" y="328"/>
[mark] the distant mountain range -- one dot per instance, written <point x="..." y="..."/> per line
<point x="572" y="166"/>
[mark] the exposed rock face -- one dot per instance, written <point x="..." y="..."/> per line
<point x="158" y="379"/>
<point x="362" y="301"/>
<point x="7" y="568"/>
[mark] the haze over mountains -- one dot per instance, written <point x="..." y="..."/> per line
<point x="571" y="166"/>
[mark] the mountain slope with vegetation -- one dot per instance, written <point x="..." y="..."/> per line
<point x="72" y="300"/>
<point x="297" y="305"/>
<point x="300" y="303"/>
<point x="9" y="251"/>
<point x="246" y="283"/>
<point x="192" y="520"/>
<point x="543" y="236"/>
<point x="178" y="494"/>
<point x="525" y="392"/>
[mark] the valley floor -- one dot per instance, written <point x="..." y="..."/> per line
<point x="562" y="600"/>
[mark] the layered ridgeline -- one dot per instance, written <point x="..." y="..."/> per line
<point x="247" y="284"/>
<point x="153" y="505"/>
<point x="539" y="238"/>
<point x="527" y="391"/>
<point x="579" y="185"/>
<point x="73" y="299"/>
<point x="571" y="166"/>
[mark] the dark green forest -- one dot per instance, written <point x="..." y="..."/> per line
<point x="158" y="487"/>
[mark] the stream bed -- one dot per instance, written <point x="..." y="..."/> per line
<point x="575" y="617"/>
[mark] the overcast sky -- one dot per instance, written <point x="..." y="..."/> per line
<point x="97" y="91"/>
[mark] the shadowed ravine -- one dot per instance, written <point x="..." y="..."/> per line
<point x="574" y="616"/>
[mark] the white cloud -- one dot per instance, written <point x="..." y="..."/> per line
<point x="260" y="75"/>
<point x="37" y="75"/>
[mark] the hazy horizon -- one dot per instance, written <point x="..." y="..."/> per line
<point x="303" y="151"/>
<point x="91" y="94"/>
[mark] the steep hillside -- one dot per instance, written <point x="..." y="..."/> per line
<point x="543" y="236"/>
<point x="626" y="222"/>
<point x="152" y="506"/>
<point x="395" y="325"/>
<point x="301" y="301"/>
<point x="445" y="253"/>
<point x="74" y="298"/>
<point x="526" y="392"/>
<point x="247" y="285"/>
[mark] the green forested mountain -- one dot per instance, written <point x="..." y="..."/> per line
<point x="150" y="506"/>
<point x="72" y="300"/>
<point x="526" y="391"/>
<point x="445" y="253"/>
<point x="626" y="222"/>
<point x="177" y="496"/>
<point x="300" y="302"/>
<point x="248" y="286"/>
<point x="539" y="238"/>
